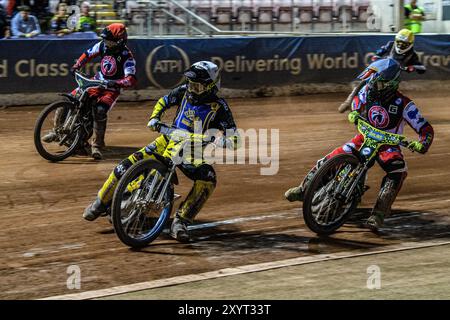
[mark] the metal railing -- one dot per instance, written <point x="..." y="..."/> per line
<point x="171" y="17"/>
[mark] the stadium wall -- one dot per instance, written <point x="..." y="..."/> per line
<point x="33" y="71"/>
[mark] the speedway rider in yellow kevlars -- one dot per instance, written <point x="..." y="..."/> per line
<point x="197" y="102"/>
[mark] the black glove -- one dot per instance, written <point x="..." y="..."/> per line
<point x="112" y="84"/>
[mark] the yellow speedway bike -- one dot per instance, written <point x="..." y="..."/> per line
<point x="337" y="187"/>
<point x="143" y="200"/>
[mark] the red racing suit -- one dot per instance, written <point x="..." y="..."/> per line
<point x="392" y="117"/>
<point x="117" y="65"/>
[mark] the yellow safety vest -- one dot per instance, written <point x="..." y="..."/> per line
<point x="414" y="25"/>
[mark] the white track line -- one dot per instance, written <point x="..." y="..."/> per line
<point x="239" y="270"/>
<point x="279" y="215"/>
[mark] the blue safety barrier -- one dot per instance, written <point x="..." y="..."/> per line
<point x="42" y="65"/>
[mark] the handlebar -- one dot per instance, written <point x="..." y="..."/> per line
<point x="181" y="134"/>
<point x="403" y="142"/>
<point x="85" y="82"/>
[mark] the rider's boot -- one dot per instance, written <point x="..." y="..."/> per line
<point x="189" y="208"/>
<point x="390" y="187"/>
<point x="295" y="194"/>
<point x="58" y="120"/>
<point x="95" y="210"/>
<point x="179" y="230"/>
<point x="348" y="102"/>
<point x="50" y="137"/>
<point x="98" y="142"/>
<point x="298" y="193"/>
<point x="375" y="221"/>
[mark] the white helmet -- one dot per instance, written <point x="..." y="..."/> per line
<point x="203" y="79"/>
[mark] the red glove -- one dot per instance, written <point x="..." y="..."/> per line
<point x="375" y="58"/>
<point x="410" y="69"/>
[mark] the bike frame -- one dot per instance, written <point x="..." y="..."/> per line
<point x="373" y="140"/>
<point x="154" y="195"/>
<point x="84" y="84"/>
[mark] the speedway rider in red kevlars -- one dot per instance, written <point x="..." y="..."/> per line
<point x="118" y="68"/>
<point x="386" y="108"/>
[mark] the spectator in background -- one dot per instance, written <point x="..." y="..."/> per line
<point x="24" y="24"/>
<point x="4" y="25"/>
<point x="58" y="24"/>
<point x="86" y="22"/>
<point x="414" y="15"/>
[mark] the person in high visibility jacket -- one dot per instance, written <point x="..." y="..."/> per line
<point x="414" y="15"/>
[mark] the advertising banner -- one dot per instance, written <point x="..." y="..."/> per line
<point x="42" y="65"/>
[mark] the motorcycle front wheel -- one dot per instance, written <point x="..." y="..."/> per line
<point x="137" y="215"/>
<point x="52" y="140"/>
<point x="323" y="210"/>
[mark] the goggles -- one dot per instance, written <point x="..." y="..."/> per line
<point x="110" y="43"/>
<point x="196" y="87"/>
<point x="380" y="85"/>
<point x="402" y="45"/>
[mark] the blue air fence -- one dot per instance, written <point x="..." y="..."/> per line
<point x="42" y="65"/>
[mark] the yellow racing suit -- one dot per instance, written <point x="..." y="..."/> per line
<point x="214" y="113"/>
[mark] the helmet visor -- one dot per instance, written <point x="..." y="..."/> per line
<point x="196" y="87"/>
<point x="381" y="85"/>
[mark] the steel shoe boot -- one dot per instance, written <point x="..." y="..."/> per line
<point x="96" y="153"/>
<point x="294" y="194"/>
<point x="375" y="221"/>
<point x="344" y="106"/>
<point x="50" y="137"/>
<point x="94" y="210"/>
<point x="179" y="230"/>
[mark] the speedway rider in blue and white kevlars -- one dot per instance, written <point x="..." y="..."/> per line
<point x="197" y="103"/>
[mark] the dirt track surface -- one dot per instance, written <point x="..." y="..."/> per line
<point x="41" y="203"/>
